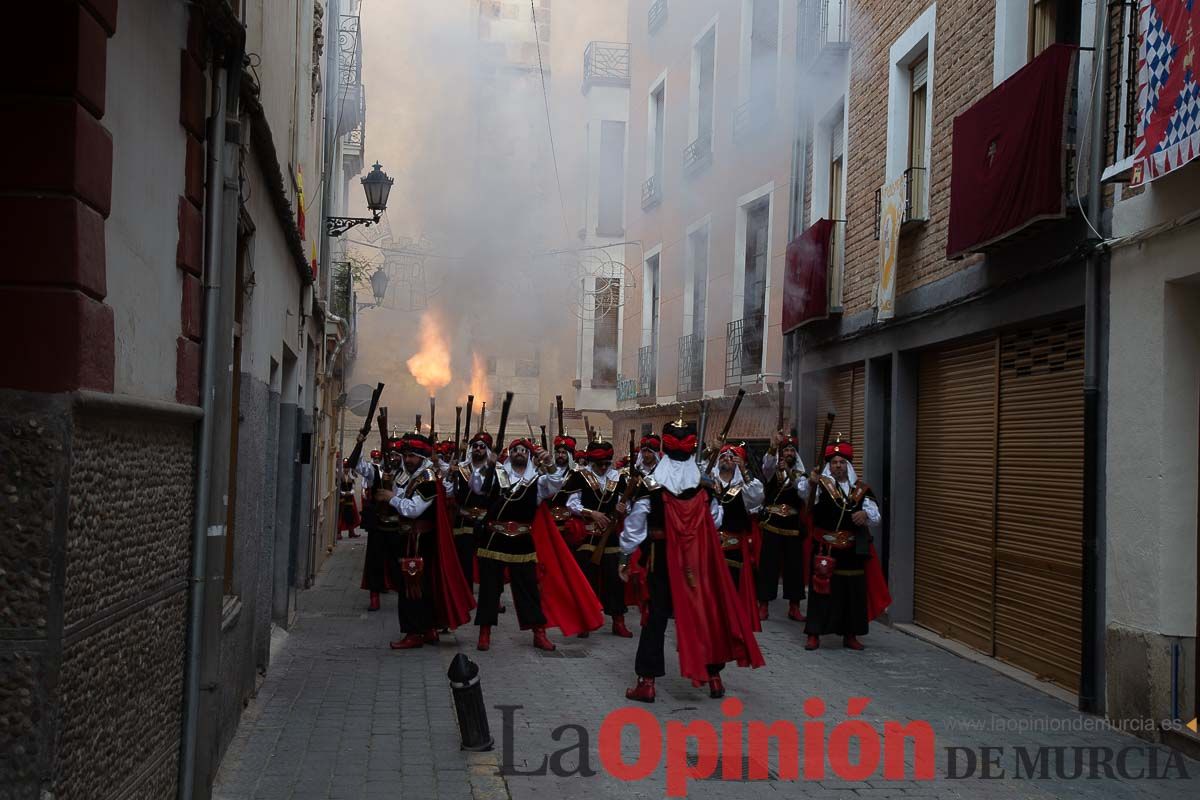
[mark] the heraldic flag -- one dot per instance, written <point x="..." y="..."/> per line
<point x="1168" y="132"/>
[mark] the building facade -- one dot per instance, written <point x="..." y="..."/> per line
<point x="163" y="437"/>
<point x="952" y="345"/>
<point x="711" y="122"/>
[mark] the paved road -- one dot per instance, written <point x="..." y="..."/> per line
<point x="341" y="716"/>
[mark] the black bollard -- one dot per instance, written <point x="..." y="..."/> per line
<point x="468" y="702"/>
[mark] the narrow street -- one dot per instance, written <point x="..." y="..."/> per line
<point x="341" y="716"/>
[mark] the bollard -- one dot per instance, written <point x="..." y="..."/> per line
<point x="468" y="702"/>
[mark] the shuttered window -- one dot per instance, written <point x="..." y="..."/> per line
<point x="998" y="561"/>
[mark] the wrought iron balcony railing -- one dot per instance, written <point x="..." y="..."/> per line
<point x="751" y="117"/>
<point x="651" y="192"/>
<point x="647" y="373"/>
<point x="606" y="64"/>
<point x="744" y="350"/>
<point x="825" y="29"/>
<point x="691" y="364"/>
<point x="698" y="153"/>
<point x="656" y="16"/>
<point x="916" y="200"/>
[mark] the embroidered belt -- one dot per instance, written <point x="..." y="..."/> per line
<point x="473" y="513"/>
<point x="507" y="558"/>
<point x="730" y="540"/>
<point x="414" y="526"/>
<point x="510" y="528"/>
<point x="561" y="514"/>
<point x="781" y="510"/>
<point x="590" y="547"/>
<point x="464" y="531"/>
<point x="766" y="526"/>
<point x="849" y="573"/>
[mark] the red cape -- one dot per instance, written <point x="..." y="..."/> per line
<point x="574" y="532"/>
<point x="567" y="598"/>
<point x="452" y="598"/>
<point x="711" y="623"/>
<point x="636" y="590"/>
<point x="342" y="526"/>
<point x="878" y="596"/>
<point x="747" y="590"/>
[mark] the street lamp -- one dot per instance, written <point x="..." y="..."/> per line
<point x="379" y="284"/>
<point x="377" y="186"/>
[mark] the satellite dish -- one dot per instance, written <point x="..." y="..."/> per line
<point x="358" y="399"/>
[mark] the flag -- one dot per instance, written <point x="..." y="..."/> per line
<point x="806" y="276"/>
<point x="1168" y="130"/>
<point x="891" y="213"/>
<point x="300" y="202"/>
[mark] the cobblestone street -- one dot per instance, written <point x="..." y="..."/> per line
<point x="341" y="716"/>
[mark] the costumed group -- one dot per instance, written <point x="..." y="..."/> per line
<point x="678" y="534"/>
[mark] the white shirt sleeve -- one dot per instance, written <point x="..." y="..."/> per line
<point x="548" y="486"/>
<point x="477" y="480"/>
<point x="872" y="512"/>
<point x="718" y="513"/>
<point x="366" y="470"/>
<point x="448" y="484"/>
<point x="575" y="503"/>
<point x="802" y="487"/>
<point x="410" y="507"/>
<point x="634" y="532"/>
<point x="769" y="464"/>
<point x="753" y="493"/>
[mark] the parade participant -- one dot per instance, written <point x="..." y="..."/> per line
<point x="672" y="521"/>
<point x="595" y="494"/>
<point x="471" y="501"/>
<point x="581" y="458"/>
<point x="637" y="592"/>
<point x="380" y="573"/>
<point x="648" y="454"/>
<point x="348" y="516"/>
<point x="741" y="499"/>
<point x="848" y="593"/>
<point x="515" y="488"/>
<point x="569" y="526"/>
<point x="784" y="550"/>
<point x="445" y="450"/>
<point x="433" y="592"/>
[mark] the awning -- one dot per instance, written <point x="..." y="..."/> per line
<point x="806" y="276"/>
<point x="1008" y="159"/>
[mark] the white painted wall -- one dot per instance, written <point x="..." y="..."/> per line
<point x="149" y="149"/>
<point x="1153" y="403"/>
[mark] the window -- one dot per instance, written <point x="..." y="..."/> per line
<point x="756" y="257"/>
<point x="652" y="298"/>
<point x="836" y="208"/>
<point x="658" y="114"/>
<point x="1043" y="25"/>
<point x="917" y="108"/>
<point x="527" y="368"/>
<point x="760" y="65"/>
<point x="604" y="335"/>
<point x="700" y="122"/>
<point x="491" y="365"/>
<point x="698" y="258"/>
<point x="610" y="219"/>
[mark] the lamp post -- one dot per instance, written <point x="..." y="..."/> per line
<point x="377" y="186"/>
<point x="379" y="284"/>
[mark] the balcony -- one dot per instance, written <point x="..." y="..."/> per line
<point x="744" y="350"/>
<point x="825" y="32"/>
<point x="916" y="200"/>
<point x="606" y="64"/>
<point x="698" y="154"/>
<point x="691" y="367"/>
<point x="656" y="16"/>
<point x="647" y="385"/>
<point x="752" y="117"/>
<point x="651" y="192"/>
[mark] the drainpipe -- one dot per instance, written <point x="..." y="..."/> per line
<point x="203" y="484"/>
<point x="1097" y="262"/>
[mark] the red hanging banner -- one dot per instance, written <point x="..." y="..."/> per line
<point x="806" y="276"/>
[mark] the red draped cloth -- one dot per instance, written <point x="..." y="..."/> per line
<point x="452" y="597"/>
<point x="747" y="588"/>
<point x="878" y="596"/>
<point x="348" y="524"/>
<point x="574" y="532"/>
<point x="711" y="624"/>
<point x="567" y="598"/>
<point x="637" y="592"/>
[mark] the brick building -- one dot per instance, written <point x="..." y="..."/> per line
<point x="957" y="371"/>
<point x="165" y="400"/>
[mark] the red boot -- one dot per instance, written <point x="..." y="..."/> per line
<point x="643" y="692"/>
<point x="716" y="689"/>
<point x="374" y="606"/>
<point x="431" y="636"/>
<point x="813" y="643"/>
<point x="619" y="628"/>
<point x="409" y="642"/>
<point x="485" y="637"/>
<point x="763" y="611"/>
<point x="540" y="640"/>
<point x="852" y="643"/>
<point x="794" y="613"/>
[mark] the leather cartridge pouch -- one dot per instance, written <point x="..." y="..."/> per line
<point x="822" y="572"/>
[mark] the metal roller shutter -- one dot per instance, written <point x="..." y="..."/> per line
<point x="844" y="390"/>
<point x="1039" y="513"/>
<point x="956" y="486"/>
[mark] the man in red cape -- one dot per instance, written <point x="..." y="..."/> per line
<point x="520" y="537"/>
<point x="740" y="497"/>
<point x="672" y="521"/>
<point x="843" y="512"/>
<point x="348" y="516"/>
<point x="433" y="592"/>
